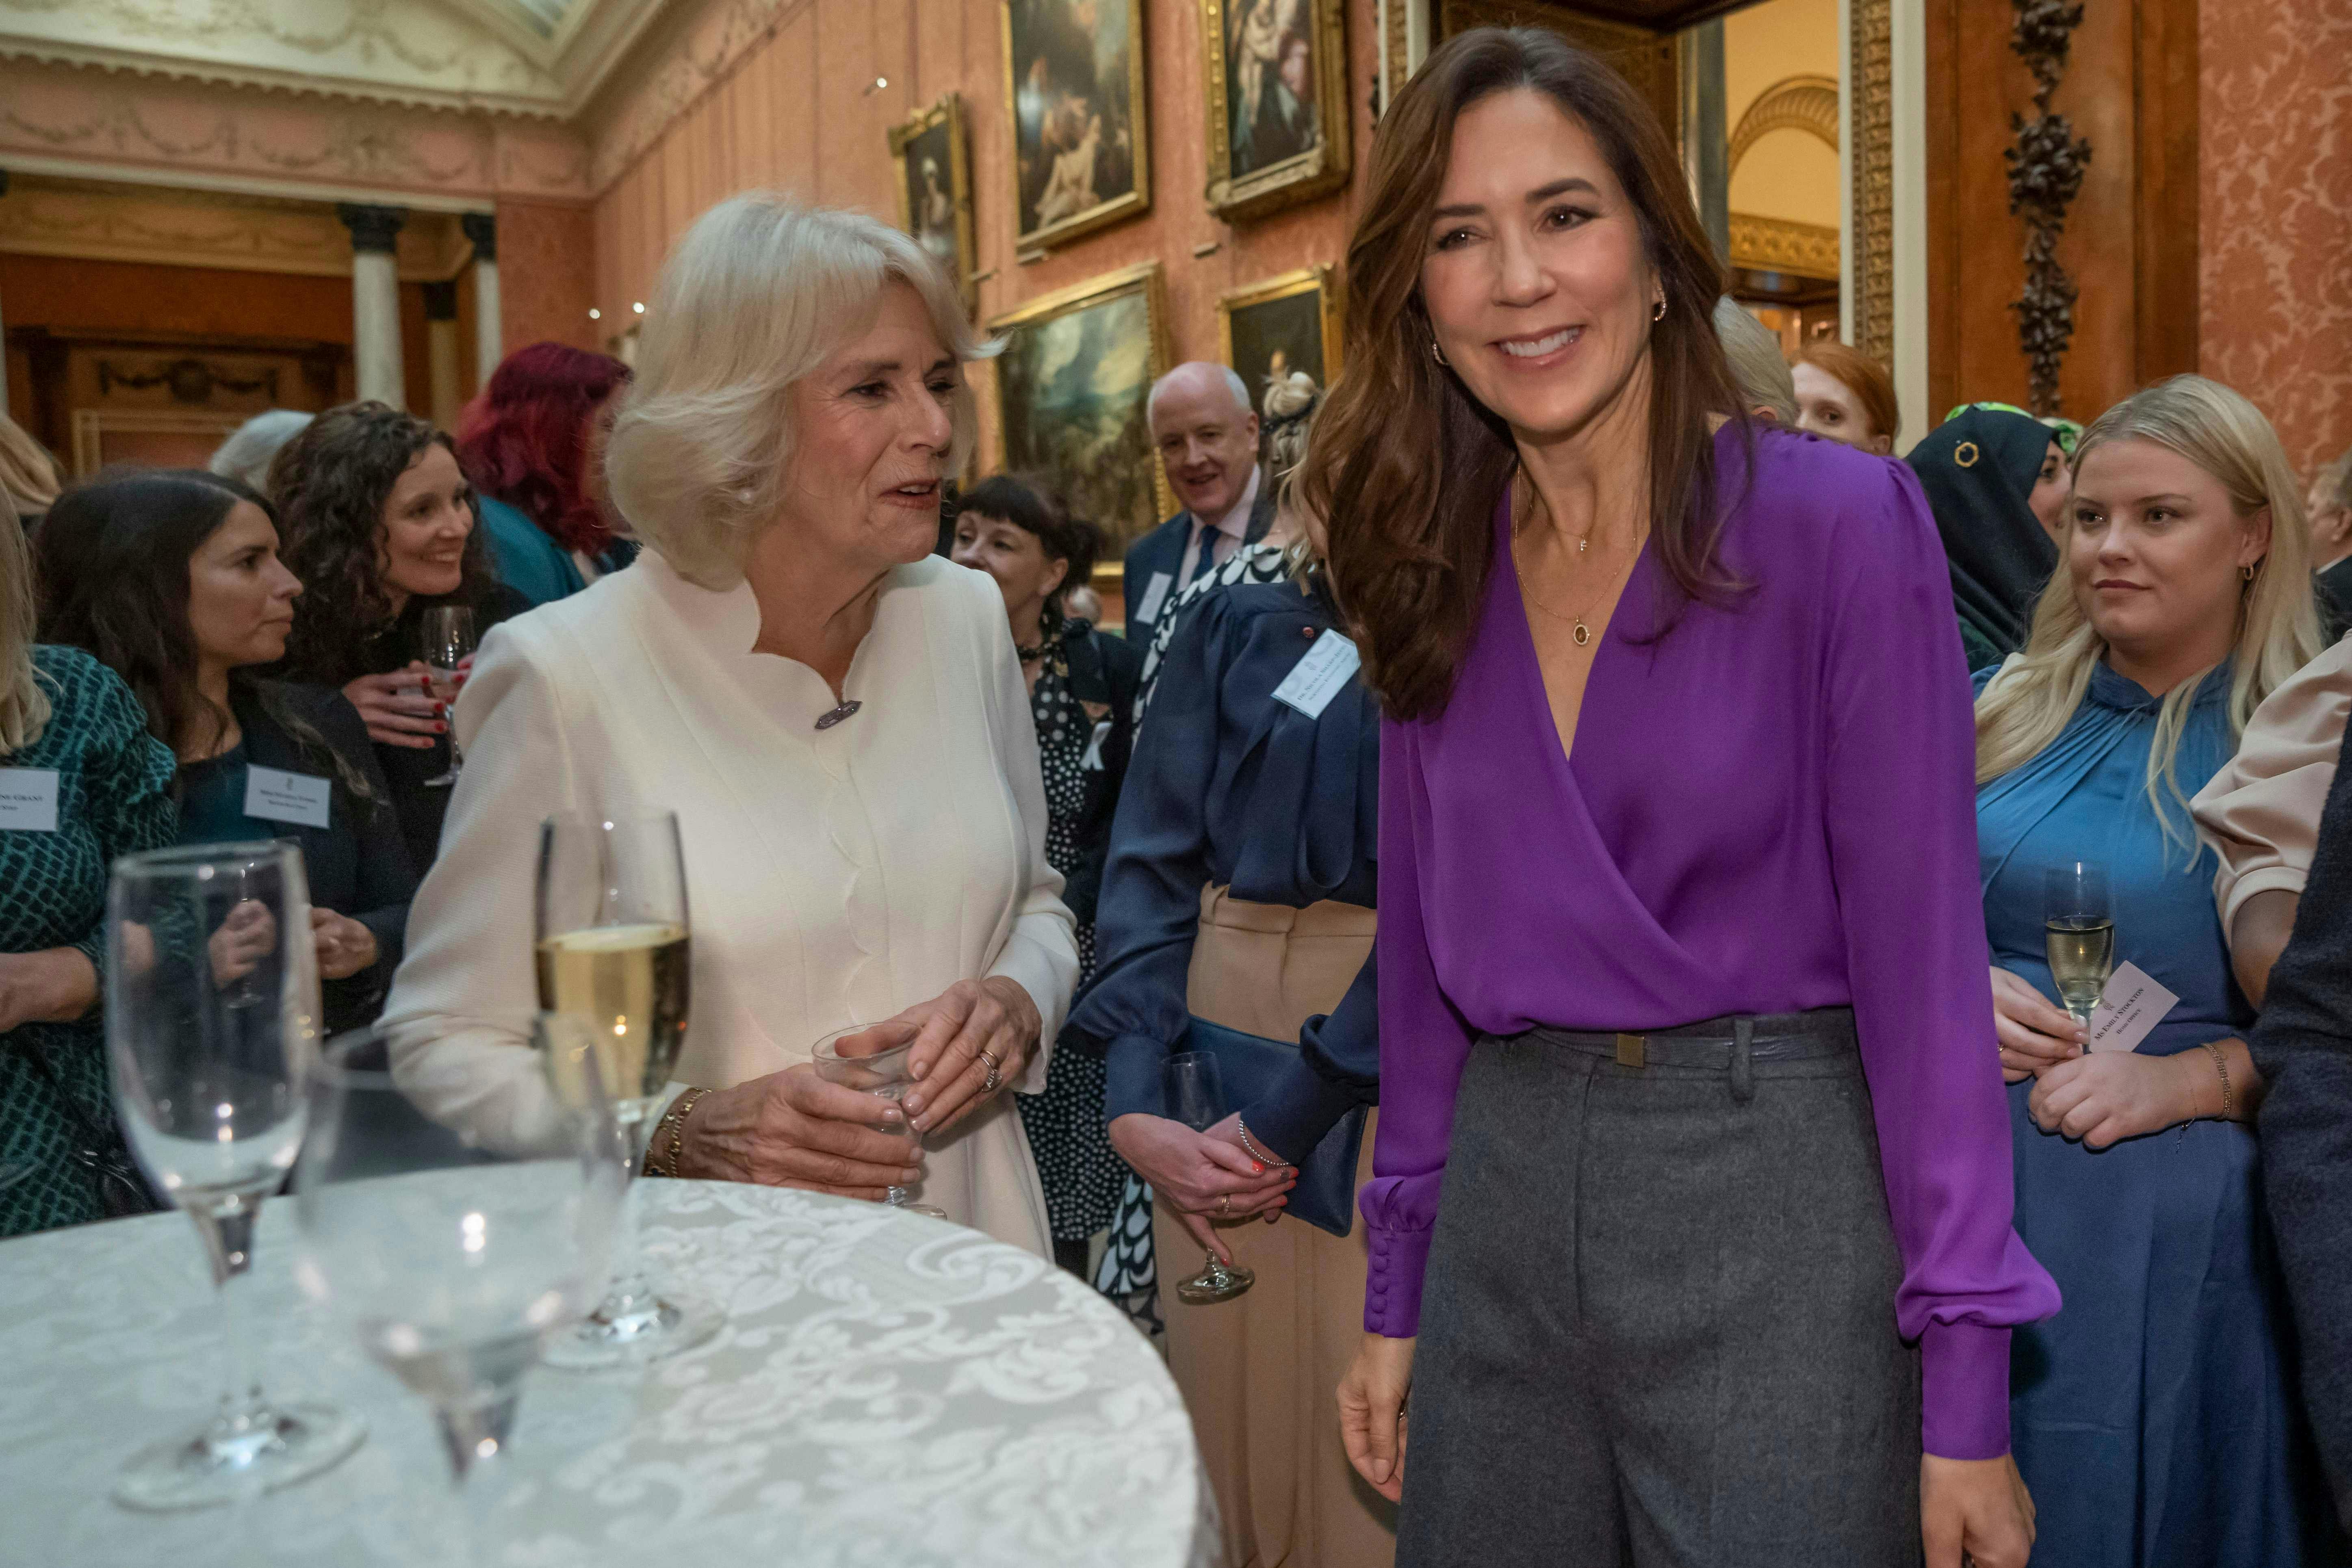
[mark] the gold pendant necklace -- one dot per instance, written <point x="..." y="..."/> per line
<point x="1579" y="632"/>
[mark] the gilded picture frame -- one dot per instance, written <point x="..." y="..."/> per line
<point x="1278" y="111"/>
<point x="1290" y="322"/>
<point x="1077" y="125"/>
<point x="1072" y="387"/>
<point x="932" y="150"/>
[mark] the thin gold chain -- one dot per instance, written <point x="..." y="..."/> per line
<point x="1578" y="621"/>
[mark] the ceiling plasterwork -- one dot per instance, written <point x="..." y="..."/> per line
<point x="536" y="57"/>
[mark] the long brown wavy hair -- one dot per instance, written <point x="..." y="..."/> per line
<point x="331" y="481"/>
<point x="1406" y="466"/>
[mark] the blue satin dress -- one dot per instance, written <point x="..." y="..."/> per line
<point x="2155" y="1417"/>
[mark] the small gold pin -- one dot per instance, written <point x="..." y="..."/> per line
<point x="1633" y="1051"/>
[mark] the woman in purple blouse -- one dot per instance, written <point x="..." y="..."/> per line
<point x="1676" y="731"/>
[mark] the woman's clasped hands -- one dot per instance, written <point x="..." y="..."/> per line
<point x="1206" y="1178"/>
<point x="793" y="1129"/>
<point x="2098" y="1098"/>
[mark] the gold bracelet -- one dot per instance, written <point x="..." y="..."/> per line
<point x="662" y="1152"/>
<point x="2221" y="1066"/>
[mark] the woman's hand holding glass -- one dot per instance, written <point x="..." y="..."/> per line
<point x="397" y="707"/>
<point x="2106" y="1096"/>
<point x="2035" y="1034"/>
<point x="793" y="1129"/>
<point x="1203" y="1177"/>
<point x="346" y="946"/>
<point x="976" y="1038"/>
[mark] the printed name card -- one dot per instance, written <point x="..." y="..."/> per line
<point x="277" y="797"/>
<point x="1316" y="679"/>
<point x="1154" y="596"/>
<point x="2133" y="1004"/>
<point x="28" y="800"/>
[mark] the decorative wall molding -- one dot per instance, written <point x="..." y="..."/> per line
<point x="1783" y="245"/>
<point x="1808" y="103"/>
<point x="655" y="90"/>
<point x="1871" y="137"/>
<point x="2045" y="175"/>
<point x="101" y="121"/>
<point x="100" y="221"/>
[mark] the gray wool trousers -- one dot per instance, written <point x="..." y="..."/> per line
<point x="1658" y="1327"/>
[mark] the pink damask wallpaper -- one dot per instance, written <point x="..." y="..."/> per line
<point x="2275" y="121"/>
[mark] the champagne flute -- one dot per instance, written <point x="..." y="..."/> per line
<point x="450" y="1263"/>
<point x="445" y="638"/>
<point x="1195" y="1088"/>
<point x="613" y="947"/>
<point x="2078" y="934"/>
<point x="876" y="1058"/>
<point x="208" y="1086"/>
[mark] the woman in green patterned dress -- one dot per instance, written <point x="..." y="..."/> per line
<point x="81" y="782"/>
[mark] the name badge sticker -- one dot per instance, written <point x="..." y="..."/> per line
<point x="2133" y="1004"/>
<point x="277" y="797"/>
<point x="1316" y="679"/>
<point x="28" y="800"/>
<point x="1155" y="594"/>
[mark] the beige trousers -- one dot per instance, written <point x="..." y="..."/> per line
<point x="1259" y="1372"/>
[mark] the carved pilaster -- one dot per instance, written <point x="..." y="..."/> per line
<point x="2045" y="175"/>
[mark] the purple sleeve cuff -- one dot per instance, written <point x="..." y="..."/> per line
<point x="1964" y="1390"/>
<point x="1392" y="1286"/>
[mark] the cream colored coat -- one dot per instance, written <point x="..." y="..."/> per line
<point x="2260" y="812"/>
<point x="835" y="876"/>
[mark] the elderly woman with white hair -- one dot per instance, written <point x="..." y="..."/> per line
<point x="251" y="447"/>
<point x="836" y="716"/>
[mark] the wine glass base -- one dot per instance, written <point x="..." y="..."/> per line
<point x="665" y="1327"/>
<point x="445" y="781"/>
<point x="1217" y="1282"/>
<point x="216" y="1466"/>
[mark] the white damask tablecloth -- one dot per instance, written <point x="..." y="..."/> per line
<point x="890" y="1390"/>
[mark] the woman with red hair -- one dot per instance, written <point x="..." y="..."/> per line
<point x="526" y="443"/>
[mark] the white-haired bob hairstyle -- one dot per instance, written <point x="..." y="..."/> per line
<point x="756" y="296"/>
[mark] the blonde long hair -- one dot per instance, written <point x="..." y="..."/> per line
<point x="24" y="707"/>
<point x="2025" y="707"/>
<point x="28" y="478"/>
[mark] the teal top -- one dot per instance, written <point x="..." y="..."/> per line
<point x="529" y="563"/>
<point x="113" y="794"/>
<point x="212" y="802"/>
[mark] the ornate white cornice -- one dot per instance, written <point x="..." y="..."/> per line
<point x="1783" y="245"/>
<point x="702" y="46"/>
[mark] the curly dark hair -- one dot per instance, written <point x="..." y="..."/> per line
<point x="331" y="481"/>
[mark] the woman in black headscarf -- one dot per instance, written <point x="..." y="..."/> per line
<point x="1997" y="482"/>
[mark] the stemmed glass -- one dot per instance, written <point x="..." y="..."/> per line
<point x="208" y="1086"/>
<point x="2078" y="934"/>
<point x="1195" y="1089"/>
<point x="612" y="949"/>
<point x="873" y="1058"/>
<point x="452" y="1264"/>
<point x="445" y="638"/>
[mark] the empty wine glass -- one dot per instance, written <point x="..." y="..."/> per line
<point x="2078" y="934"/>
<point x="876" y="1058"/>
<point x="444" y="637"/>
<point x="452" y="1264"/>
<point x="208" y="1084"/>
<point x="1195" y="1089"/>
<point x="613" y="948"/>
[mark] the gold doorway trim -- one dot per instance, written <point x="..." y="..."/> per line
<point x="1871" y="137"/>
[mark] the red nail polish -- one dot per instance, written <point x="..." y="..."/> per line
<point x="1258" y="1168"/>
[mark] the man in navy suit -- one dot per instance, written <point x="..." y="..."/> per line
<point x="1207" y="435"/>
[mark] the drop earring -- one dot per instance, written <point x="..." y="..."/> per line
<point x="1660" y="313"/>
<point x="1436" y="352"/>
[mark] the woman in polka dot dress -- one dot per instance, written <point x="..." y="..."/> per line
<point x="1082" y="688"/>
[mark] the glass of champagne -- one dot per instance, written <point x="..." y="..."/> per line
<point x="2078" y="934"/>
<point x="208" y="1085"/>
<point x="873" y="1058"/>
<point x="1196" y="1097"/>
<point x="612" y="949"/>
<point x="451" y="1263"/>
<point x="445" y="638"/>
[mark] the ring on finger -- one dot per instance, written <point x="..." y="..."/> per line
<point x="1225" y="1207"/>
<point x="988" y="1085"/>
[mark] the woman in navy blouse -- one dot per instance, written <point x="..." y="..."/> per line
<point x="1239" y="892"/>
<point x="172" y="581"/>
